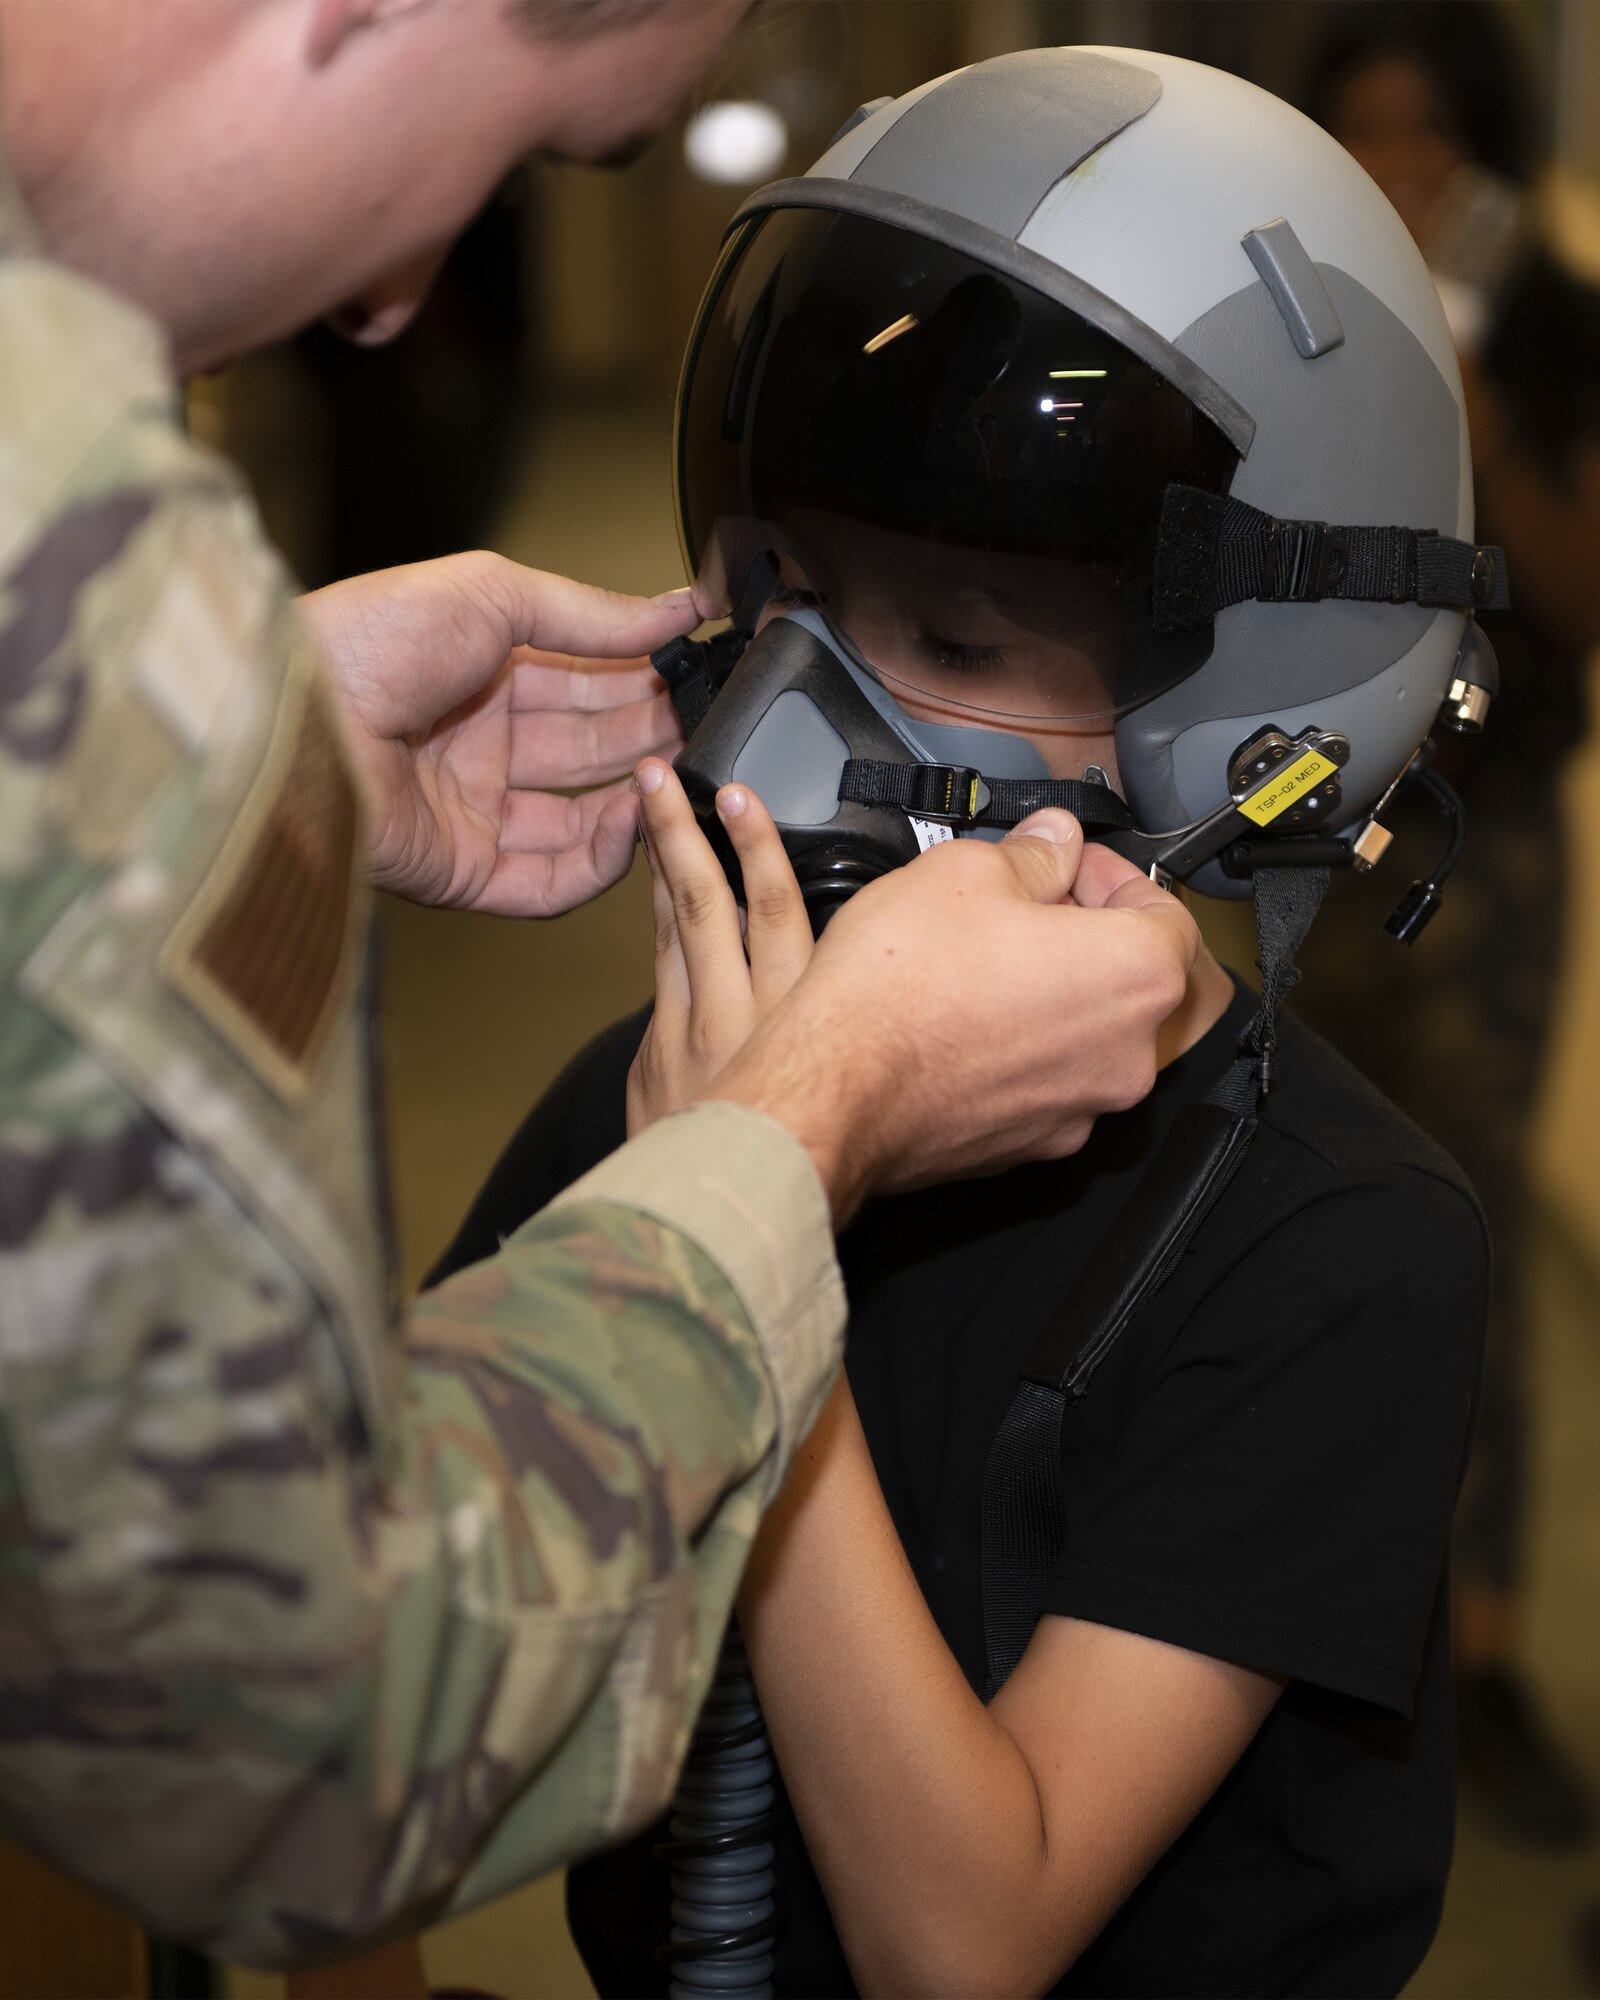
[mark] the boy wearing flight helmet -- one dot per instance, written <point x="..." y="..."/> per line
<point x="1083" y="430"/>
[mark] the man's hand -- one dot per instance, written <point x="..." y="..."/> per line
<point x="473" y="694"/>
<point x="979" y="1007"/>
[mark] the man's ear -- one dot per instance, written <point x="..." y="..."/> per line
<point x="334" y="21"/>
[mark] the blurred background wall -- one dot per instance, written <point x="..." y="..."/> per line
<point x="529" y="409"/>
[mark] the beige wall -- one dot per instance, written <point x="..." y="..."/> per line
<point x="1568" y="1148"/>
<point x="1568" y="1152"/>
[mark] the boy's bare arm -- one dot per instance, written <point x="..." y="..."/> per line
<point x="963" y="1849"/>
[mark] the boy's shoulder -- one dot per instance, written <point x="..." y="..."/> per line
<point x="1330" y="1145"/>
<point x="1325" y="1109"/>
<point x="1324" y="1127"/>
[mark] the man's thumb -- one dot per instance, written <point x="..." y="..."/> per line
<point x="1044" y="853"/>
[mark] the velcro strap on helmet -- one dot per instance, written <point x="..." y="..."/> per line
<point x="1212" y="552"/>
<point x="959" y="796"/>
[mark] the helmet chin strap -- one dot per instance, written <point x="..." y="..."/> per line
<point x="958" y="796"/>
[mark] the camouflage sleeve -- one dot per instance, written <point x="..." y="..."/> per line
<point x="314" y="1616"/>
<point x="616" y="1434"/>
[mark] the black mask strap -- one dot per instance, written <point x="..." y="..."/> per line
<point x="956" y="795"/>
<point x="694" y="671"/>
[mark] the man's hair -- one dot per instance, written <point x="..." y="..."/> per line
<point x="580" y="20"/>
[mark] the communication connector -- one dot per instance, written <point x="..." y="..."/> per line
<point x="1466" y="707"/>
<point x="1369" y="847"/>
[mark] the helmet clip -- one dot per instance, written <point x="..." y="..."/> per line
<point x="1305" y="560"/>
<point x="1288" y="784"/>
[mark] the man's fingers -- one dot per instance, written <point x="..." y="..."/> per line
<point x="553" y="680"/>
<point x="704" y="915"/>
<point x="558" y="615"/>
<point x="1108" y="882"/>
<point x="548" y="823"/>
<point x="1045" y="852"/>
<point x="778" y="931"/>
<point x="557" y="853"/>
<point x="607" y="855"/>
<point x="567" y="747"/>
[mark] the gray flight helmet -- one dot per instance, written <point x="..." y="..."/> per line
<point x="1234" y="247"/>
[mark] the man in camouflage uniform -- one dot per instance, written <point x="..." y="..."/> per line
<point x="318" y="1616"/>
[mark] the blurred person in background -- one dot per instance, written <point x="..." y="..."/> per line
<point x="1431" y="99"/>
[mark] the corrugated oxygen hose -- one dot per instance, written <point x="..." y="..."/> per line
<point x="724" y="1904"/>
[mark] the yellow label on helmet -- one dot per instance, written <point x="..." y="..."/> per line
<point x="1289" y="783"/>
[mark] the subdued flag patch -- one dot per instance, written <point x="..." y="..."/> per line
<point x="264" y="948"/>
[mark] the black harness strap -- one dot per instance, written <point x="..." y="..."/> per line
<point x="1212" y="552"/>
<point x="960" y="796"/>
<point x="694" y="670"/>
<point x="1024" y="1508"/>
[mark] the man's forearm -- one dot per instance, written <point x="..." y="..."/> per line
<point x="806" y="1073"/>
<point x="643" y="1431"/>
<point x="312" y="1701"/>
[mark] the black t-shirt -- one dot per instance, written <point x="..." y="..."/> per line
<point x="1263" y="1470"/>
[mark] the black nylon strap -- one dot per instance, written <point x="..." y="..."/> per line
<point x="694" y="670"/>
<point x="1024" y="1524"/>
<point x="1287" y="901"/>
<point x="1212" y="552"/>
<point x="964" y="797"/>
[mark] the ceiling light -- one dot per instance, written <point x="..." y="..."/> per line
<point x="736" y="143"/>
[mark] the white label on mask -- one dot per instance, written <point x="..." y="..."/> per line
<point x="930" y="832"/>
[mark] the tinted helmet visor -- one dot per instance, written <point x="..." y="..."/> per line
<point x="963" y="474"/>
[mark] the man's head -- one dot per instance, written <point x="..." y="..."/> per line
<point x="243" y="167"/>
